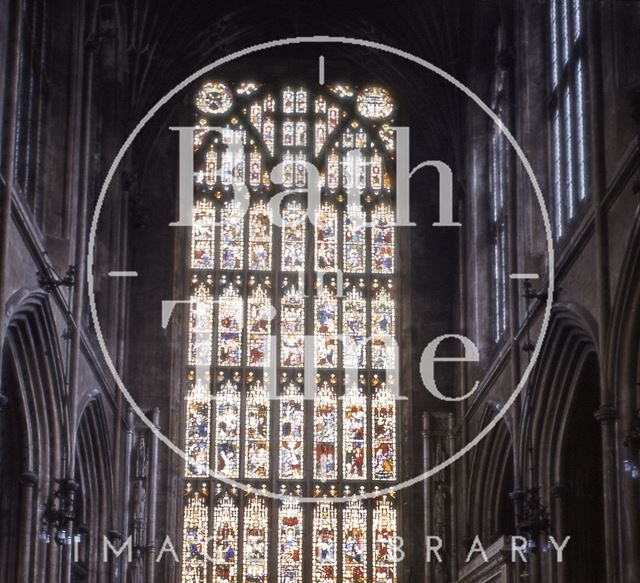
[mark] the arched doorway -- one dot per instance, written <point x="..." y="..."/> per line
<point x="582" y="455"/>
<point x="11" y="466"/>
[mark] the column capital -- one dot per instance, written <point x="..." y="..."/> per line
<point x="28" y="478"/>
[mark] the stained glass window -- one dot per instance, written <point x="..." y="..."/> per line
<point x="325" y="436"/>
<point x="291" y="451"/>
<point x="203" y="236"/>
<point x="569" y="145"/>
<point x="355" y="542"/>
<point x="292" y="328"/>
<point x="290" y="541"/>
<point x="198" y="428"/>
<point x="384" y="434"/>
<point x="258" y="416"/>
<point x="227" y="430"/>
<point x="354" y="328"/>
<point x="293" y="237"/>
<point x="385" y="533"/>
<point x="258" y="327"/>
<point x="195" y="531"/>
<point x="354" y="437"/>
<point x="326" y="238"/>
<point x="355" y="255"/>
<point x="383" y="329"/>
<point x="232" y="236"/>
<point x="200" y="326"/>
<point x="326" y="328"/>
<point x="225" y="540"/>
<point x="248" y="282"/>
<point x="255" y="541"/>
<point x="230" y="307"/>
<point x="383" y="239"/>
<point x="325" y="543"/>
<point x="259" y="238"/>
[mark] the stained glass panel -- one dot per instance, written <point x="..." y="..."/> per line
<point x="200" y="326"/>
<point x="198" y="427"/>
<point x="383" y="239"/>
<point x="255" y="541"/>
<point x="354" y="434"/>
<point x="354" y="239"/>
<point x="354" y="326"/>
<point x="255" y="169"/>
<point x="384" y="434"/>
<point x="326" y="328"/>
<point x="258" y="415"/>
<point x="384" y="534"/>
<point x="355" y="542"/>
<point x="269" y="134"/>
<point x="333" y="171"/>
<point x="290" y="541"/>
<point x="288" y="101"/>
<point x="326" y="237"/>
<point x="383" y="329"/>
<point x="258" y="327"/>
<point x="195" y="530"/>
<point x="291" y="433"/>
<point x="320" y="134"/>
<point x="300" y="170"/>
<point x="211" y="167"/>
<point x="259" y="237"/>
<point x="203" y="235"/>
<point x="325" y="543"/>
<point x="376" y="172"/>
<point x="374" y="103"/>
<point x="292" y="329"/>
<point x="225" y="540"/>
<point x="293" y="237"/>
<point x="230" y="308"/>
<point x="232" y="236"/>
<point x="325" y="436"/>
<point x="227" y="432"/>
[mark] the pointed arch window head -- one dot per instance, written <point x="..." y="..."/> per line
<point x="258" y="287"/>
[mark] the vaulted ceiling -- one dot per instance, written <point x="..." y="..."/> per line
<point x="162" y="42"/>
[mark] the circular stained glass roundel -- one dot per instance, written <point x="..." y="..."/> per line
<point x="374" y="103"/>
<point x="214" y="98"/>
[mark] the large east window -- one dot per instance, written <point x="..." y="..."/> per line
<point x="257" y="291"/>
<point x="568" y="115"/>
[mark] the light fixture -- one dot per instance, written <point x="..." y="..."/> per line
<point x="59" y="513"/>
